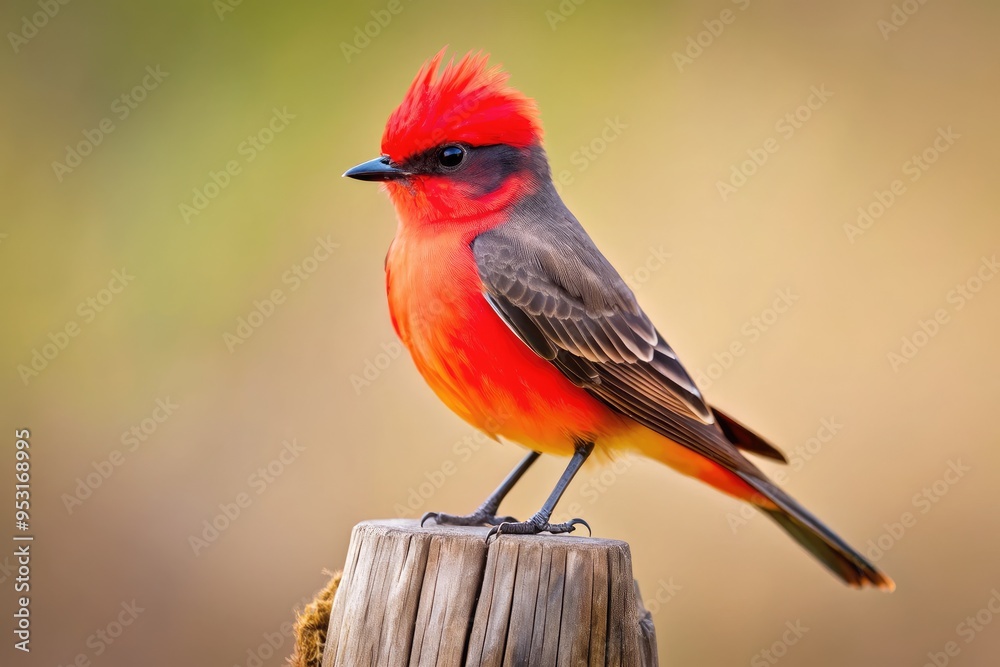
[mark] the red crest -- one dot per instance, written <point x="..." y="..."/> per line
<point x="469" y="103"/>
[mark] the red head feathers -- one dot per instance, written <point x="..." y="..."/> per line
<point x="467" y="103"/>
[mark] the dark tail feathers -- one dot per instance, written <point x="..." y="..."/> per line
<point x="745" y="439"/>
<point x="820" y="541"/>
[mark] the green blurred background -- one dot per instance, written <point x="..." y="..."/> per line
<point x="372" y="446"/>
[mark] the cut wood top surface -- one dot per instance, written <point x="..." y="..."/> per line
<point x="412" y="527"/>
<point x="439" y="596"/>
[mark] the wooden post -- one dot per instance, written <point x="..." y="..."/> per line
<point x="439" y="596"/>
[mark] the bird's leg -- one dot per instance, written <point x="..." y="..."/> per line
<point x="486" y="514"/>
<point x="539" y="523"/>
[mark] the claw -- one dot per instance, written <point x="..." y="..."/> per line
<point x="534" y="527"/>
<point x="575" y="522"/>
<point x="481" y="517"/>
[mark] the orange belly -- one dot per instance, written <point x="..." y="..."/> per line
<point x="481" y="370"/>
<point x="473" y="361"/>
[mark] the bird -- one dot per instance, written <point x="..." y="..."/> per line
<point x="524" y="329"/>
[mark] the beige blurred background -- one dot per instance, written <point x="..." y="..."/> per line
<point x="885" y="431"/>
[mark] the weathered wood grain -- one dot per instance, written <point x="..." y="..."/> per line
<point x="438" y="596"/>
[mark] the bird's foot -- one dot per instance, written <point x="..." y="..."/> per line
<point x="481" y="517"/>
<point x="535" y="525"/>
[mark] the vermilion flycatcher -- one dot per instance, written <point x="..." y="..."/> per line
<point x="523" y="328"/>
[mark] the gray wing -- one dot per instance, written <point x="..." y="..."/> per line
<point x="553" y="288"/>
<point x="561" y="297"/>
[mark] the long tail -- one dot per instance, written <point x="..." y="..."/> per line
<point x="754" y="488"/>
<point x="820" y="541"/>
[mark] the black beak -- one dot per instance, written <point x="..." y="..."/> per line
<point x="379" y="169"/>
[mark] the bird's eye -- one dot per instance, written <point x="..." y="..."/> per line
<point x="451" y="156"/>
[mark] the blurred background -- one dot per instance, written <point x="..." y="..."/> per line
<point x="803" y="196"/>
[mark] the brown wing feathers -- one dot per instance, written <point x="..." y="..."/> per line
<point x="586" y="321"/>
